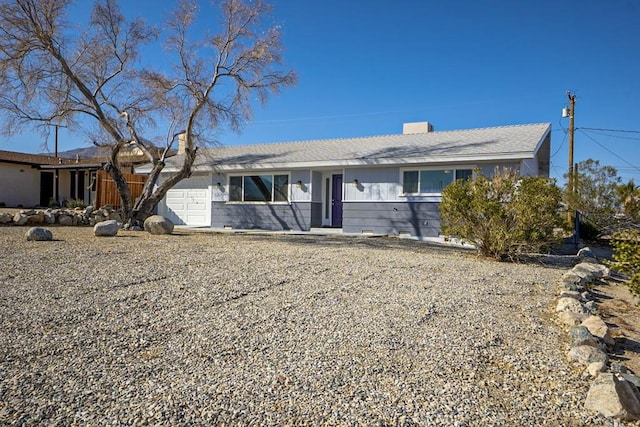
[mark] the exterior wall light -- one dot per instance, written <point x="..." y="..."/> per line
<point x="299" y="184"/>
<point x="354" y="183"/>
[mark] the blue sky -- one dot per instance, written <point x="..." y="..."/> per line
<point x="365" y="67"/>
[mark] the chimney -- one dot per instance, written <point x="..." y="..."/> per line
<point x="416" y="127"/>
<point x="181" y="142"/>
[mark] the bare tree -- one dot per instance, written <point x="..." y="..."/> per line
<point x="92" y="80"/>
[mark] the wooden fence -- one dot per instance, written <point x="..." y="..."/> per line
<point x="107" y="192"/>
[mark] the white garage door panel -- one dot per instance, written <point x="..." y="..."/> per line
<point x="197" y="219"/>
<point x="188" y="202"/>
<point x="175" y="193"/>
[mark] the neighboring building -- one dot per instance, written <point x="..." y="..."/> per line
<point x="382" y="184"/>
<point x="31" y="180"/>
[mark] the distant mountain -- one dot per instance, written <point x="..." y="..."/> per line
<point x="83" y="153"/>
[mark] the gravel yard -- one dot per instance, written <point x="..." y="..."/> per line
<point x="201" y="329"/>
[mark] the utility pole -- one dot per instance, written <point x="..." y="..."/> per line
<point x="570" y="176"/>
<point x="57" y="174"/>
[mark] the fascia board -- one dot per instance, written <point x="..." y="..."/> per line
<point x="356" y="162"/>
<point x="75" y="166"/>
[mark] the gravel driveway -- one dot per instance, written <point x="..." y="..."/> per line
<point x="201" y="329"/>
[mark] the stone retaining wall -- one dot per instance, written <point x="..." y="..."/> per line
<point x="615" y="391"/>
<point x="63" y="216"/>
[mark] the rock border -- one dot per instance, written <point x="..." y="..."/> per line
<point x="615" y="392"/>
<point x="88" y="216"/>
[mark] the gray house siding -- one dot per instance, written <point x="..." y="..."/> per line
<point x="374" y="184"/>
<point x="421" y="219"/>
<point x="372" y="171"/>
<point x="295" y="216"/>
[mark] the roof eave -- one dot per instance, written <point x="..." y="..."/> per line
<point x="73" y="166"/>
<point x="517" y="156"/>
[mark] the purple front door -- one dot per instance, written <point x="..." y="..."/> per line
<point x="336" y="201"/>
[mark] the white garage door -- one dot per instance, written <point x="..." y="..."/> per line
<point x="188" y="202"/>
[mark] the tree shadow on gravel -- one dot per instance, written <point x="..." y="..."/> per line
<point x="374" y="242"/>
<point x="415" y="246"/>
<point x="547" y="260"/>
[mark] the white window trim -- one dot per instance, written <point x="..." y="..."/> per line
<point x="418" y="169"/>
<point x="242" y="202"/>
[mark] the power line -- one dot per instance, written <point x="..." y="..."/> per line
<point x="611" y="135"/>
<point x="611" y="152"/>
<point x="561" y="145"/>
<point x="611" y="130"/>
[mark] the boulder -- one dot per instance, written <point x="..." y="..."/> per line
<point x="589" y="271"/>
<point x="39" y="234"/>
<point x="5" y="218"/>
<point x="598" y="328"/>
<point x="580" y="335"/>
<point x="115" y="216"/>
<point x="586" y="255"/>
<point x="570" y="304"/>
<point x="613" y="396"/>
<point x="571" y="319"/>
<point x="20" y="219"/>
<point x="157" y="224"/>
<point x="571" y="294"/>
<point x="106" y="228"/>
<point x="586" y="355"/>
<point x="64" y="219"/>
<point x="36" y="218"/>
<point x="49" y="217"/>
<point x="573" y="282"/>
<point x="595" y="368"/>
<point x="88" y="210"/>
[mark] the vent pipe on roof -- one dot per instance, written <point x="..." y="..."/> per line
<point x="416" y="127"/>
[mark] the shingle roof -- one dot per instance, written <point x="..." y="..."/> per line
<point x="505" y="142"/>
<point x="52" y="161"/>
<point x="29" y="159"/>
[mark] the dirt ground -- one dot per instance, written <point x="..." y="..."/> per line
<point x="621" y="311"/>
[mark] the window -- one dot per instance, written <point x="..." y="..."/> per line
<point x="429" y="181"/>
<point x="259" y="188"/>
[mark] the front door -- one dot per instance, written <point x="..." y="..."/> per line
<point x="46" y="188"/>
<point x="336" y="201"/>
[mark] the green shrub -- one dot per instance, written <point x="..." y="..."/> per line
<point x="626" y="257"/>
<point x="2" y="204"/>
<point x="503" y="215"/>
<point x="75" y="203"/>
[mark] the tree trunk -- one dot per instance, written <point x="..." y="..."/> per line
<point x="144" y="209"/>
<point x="148" y="201"/>
<point x="123" y="190"/>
